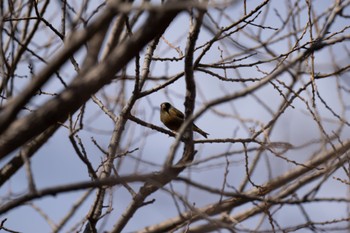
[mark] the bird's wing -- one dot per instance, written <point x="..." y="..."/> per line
<point x="177" y="113"/>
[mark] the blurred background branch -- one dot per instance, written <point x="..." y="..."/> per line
<point x="81" y="86"/>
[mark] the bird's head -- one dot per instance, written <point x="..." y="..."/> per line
<point x="165" y="106"/>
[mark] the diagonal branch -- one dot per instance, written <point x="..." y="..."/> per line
<point x="268" y="187"/>
<point x="83" y="86"/>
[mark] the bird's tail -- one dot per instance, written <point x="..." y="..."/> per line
<point x="198" y="130"/>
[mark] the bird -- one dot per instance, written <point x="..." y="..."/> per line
<point x="173" y="118"/>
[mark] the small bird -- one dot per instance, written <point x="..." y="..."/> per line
<point x="173" y="118"/>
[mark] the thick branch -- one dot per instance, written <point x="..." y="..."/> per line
<point x="80" y="90"/>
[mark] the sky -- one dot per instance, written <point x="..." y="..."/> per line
<point x="57" y="164"/>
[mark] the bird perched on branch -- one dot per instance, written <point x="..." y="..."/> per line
<point x="173" y="118"/>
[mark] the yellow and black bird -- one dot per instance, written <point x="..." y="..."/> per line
<point x="173" y="118"/>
